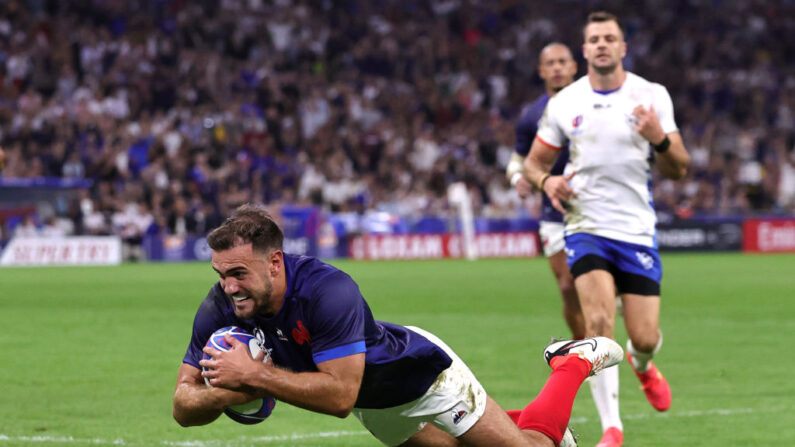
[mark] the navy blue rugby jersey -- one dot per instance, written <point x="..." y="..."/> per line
<point x="325" y="317"/>
<point x="526" y="128"/>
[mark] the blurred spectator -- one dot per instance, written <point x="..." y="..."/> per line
<point x="181" y="222"/>
<point x="358" y="106"/>
<point x="26" y="228"/>
<point x="56" y="227"/>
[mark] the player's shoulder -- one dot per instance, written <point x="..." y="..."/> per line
<point x="639" y="81"/>
<point x="309" y="267"/>
<point x="531" y="112"/>
<point x="572" y="92"/>
<point x="309" y="276"/>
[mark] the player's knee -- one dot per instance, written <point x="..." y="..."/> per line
<point x="600" y="324"/>
<point x="645" y="342"/>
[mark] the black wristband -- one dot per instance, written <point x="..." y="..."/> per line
<point x="663" y="146"/>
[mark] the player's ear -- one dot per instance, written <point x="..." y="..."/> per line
<point x="275" y="262"/>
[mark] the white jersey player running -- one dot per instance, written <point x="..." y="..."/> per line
<point x="611" y="160"/>
<point x="611" y="120"/>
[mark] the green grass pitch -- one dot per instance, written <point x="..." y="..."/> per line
<point x="90" y="355"/>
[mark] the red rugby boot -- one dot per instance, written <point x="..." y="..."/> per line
<point x="612" y="437"/>
<point x="654" y="385"/>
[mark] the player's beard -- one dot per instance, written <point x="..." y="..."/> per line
<point x="265" y="301"/>
<point x="605" y="69"/>
<point x="261" y="303"/>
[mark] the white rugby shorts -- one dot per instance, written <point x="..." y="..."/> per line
<point x="453" y="403"/>
<point x="552" y="237"/>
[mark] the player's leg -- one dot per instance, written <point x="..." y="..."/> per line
<point x="553" y="242"/>
<point x="456" y="411"/>
<point x="596" y="292"/>
<point x="591" y="263"/>
<point x="641" y="318"/>
<point x="544" y="421"/>
<point x="458" y="407"/>
<point x="572" y="312"/>
<point x="493" y="428"/>
<point x="638" y="276"/>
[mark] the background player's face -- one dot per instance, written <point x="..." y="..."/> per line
<point x="604" y="46"/>
<point x="245" y="277"/>
<point x="556" y="67"/>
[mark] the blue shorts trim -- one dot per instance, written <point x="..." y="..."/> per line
<point x="339" y="351"/>
<point x="635" y="268"/>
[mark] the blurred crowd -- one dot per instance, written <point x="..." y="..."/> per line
<point x="180" y="110"/>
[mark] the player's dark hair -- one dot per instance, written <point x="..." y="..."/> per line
<point x="554" y="43"/>
<point x="247" y="224"/>
<point x="600" y="17"/>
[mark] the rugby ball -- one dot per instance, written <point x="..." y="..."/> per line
<point x="255" y="411"/>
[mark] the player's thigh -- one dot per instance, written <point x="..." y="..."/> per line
<point x="560" y="268"/>
<point x="589" y="259"/>
<point x="641" y="318"/>
<point x="495" y="428"/>
<point x="596" y="290"/>
<point x="431" y="436"/>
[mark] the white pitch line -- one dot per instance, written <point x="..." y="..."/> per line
<point x="338" y="434"/>
<point x="194" y="443"/>
<point x="60" y="439"/>
<point x="267" y="439"/>
<point x="694" y="413"/>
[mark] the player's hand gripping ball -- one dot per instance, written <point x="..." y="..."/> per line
<point x="257" y="410"/>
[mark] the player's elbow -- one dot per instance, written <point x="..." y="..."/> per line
<point x="183" y="417"/>
<point x="342" y="407"/>
<point x="678" y="173"/>
<point x="343" y="413"/>
<point x="186" y="417"/>
<point x="181" y="420"/>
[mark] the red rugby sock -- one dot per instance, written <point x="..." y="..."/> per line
<point x="550" y="411"/>
<point x="514" y="415"/>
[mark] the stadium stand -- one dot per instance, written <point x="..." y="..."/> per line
<point x="178" y="111"/>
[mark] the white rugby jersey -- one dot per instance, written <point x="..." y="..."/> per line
<point x="613" y="179"/>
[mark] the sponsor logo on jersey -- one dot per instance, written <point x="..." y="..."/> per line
<point x="301" y="334"/>
<point x="576" y="121"/>
<point x="259" y="336"/>
<point x="645" y="260"/>
<point x="280" y="334"/>
<point x="458" y="415"/>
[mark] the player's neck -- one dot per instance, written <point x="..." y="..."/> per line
<point x="609" y="81"/>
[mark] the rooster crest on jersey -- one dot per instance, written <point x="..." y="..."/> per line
<point x="255" y="411"/>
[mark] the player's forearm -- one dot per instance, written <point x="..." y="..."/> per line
<point x="314" y="391"/>
<point x="535" y="169"/>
